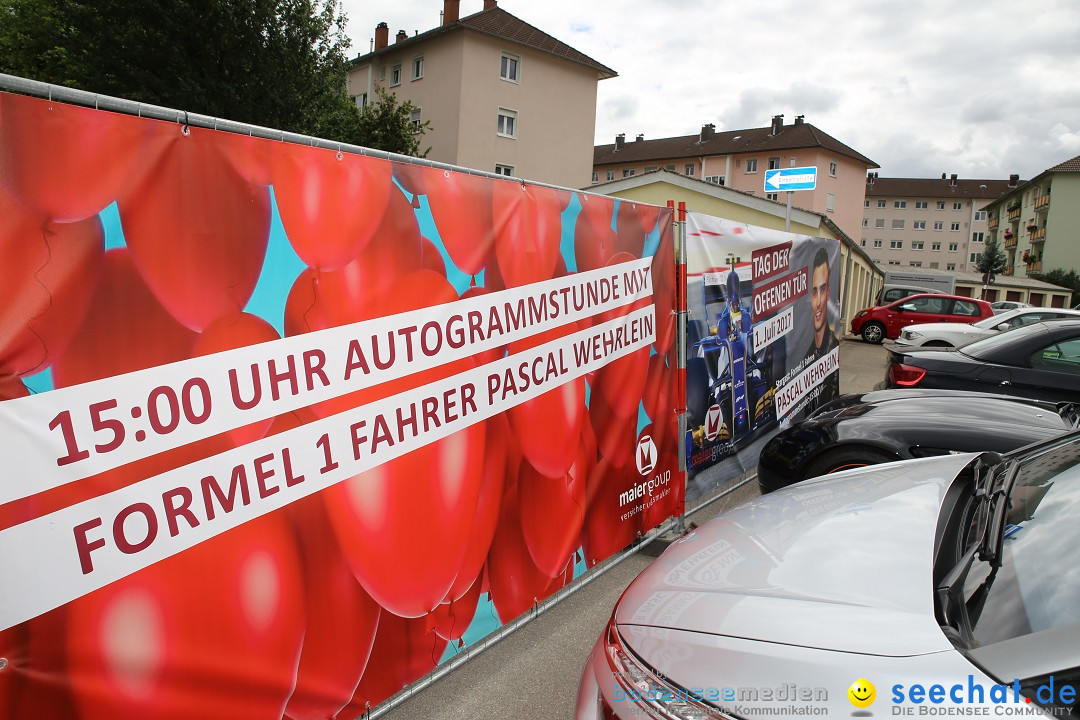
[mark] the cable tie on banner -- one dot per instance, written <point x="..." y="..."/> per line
<point x="185" y="129"/>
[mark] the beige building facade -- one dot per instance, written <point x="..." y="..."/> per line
<point x="1036" y="223"/>
<point x="501" y="96"/>
<point x="739" y="159"/>
<point x="927" y="222"/>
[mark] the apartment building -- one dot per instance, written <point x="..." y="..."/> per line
<point x="1037" y="228"/>
<point x="939" y="224"/>
<point x="502" y="96"/>
<point x="739" y="158"/>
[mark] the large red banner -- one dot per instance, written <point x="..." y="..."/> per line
<point x="284" y="427"/>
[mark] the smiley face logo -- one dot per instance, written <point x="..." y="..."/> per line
<point x="862" y="693"/>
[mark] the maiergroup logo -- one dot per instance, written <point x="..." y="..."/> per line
<point x="714" y="421"/>
<point x="646" y="455"/>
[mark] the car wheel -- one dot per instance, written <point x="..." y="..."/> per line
<point x="937" y="343"/>
<point x="847" y="458"/>
<point x="873" y="332"/>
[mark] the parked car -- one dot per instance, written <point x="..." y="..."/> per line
<point x="1002" y="305"/>
<point x="958" y="334"/>
<point x="1039" y="361"/>
<point x="888" y="425"/>
<point x="876" y="323"/>
<point x="952" y="571"/>
<point x="892" y="293"/>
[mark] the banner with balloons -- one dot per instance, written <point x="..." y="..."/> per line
<point x="762" y="348"/>
<point x="285" y="427"/>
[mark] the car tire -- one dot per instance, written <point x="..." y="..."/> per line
<point x="847" y="458"/>
<point x="873" y="332"/>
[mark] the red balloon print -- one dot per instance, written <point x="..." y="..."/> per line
<point x="68" y="163"/>
<point x="453" y="618"/>
<point x="330" y="202"/>
<point x="228" y="333"/>
<point x="628" y="228"/>
<point x="11" y="388"/>
<point x="622" y="382"/>
<point x="50" y="271"/>
<point x="407" y="649"/>
<point x="657" y="400"/>
<point x="250" y="156"/>
<point x="461" y="207"/>
<point x="594" y="239"/>
<point x="198" y="232"/>
<point x="212" y="632"/>
<point x="615" y="436"/>
<point x="528" y="229"/>
<point x="431" y="258"/>
<point x="547" y="426"/>
<point x="341" y="620"/>
<point x="514" y="581"/>
<point x="34" y="685"/>
<point x="552" y="514"/>
<point x="606" y="533"/>
<point x="411" y="177"/>
<point x="124" y="329"/>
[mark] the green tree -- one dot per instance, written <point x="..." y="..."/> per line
<point x="993" y="258"/>
<point x="1064" y="278"/>
<point x="388" y="126"/>
<point x="277" y="63"/>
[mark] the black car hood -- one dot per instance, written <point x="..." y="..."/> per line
<point x="938" y="406"/>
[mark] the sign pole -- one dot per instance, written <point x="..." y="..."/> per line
<point x="787" y="217"/>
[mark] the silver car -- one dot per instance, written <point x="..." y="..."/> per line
<point x="945" y="586"/>
<point x="950" y="334"/>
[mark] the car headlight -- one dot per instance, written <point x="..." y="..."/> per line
<point x="911" y="335"/>
<point x="861" y="313"/>
<point x="652" y="696"/>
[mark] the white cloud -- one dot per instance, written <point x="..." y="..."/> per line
<point x="975" y="87"/>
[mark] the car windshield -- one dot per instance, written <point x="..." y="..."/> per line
<point x="995" y="320"/>
<point x="982" y="349"/>
<point x="1036" y="587"/>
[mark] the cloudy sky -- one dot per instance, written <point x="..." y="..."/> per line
<point x="981" y="88"/>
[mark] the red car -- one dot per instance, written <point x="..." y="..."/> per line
<point x="886" y="321"/>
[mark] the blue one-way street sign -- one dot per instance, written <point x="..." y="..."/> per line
<point x="800" y="178"/>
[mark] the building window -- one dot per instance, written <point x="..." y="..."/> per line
<point x="950" y="266"/>
<point x="897" y="224"/>
<point x="508" y="67"/>
<point x="628" y="172"/>
<point x="595" y="176"/>
<point x="921" y="205"/>
<point x="879" y="223"/>
<point x="877" y="243"/>
<point x="939" y="225"/>
<point x="610" y="175"/>
<point x="650" y="168"/>
<point x="863" y="243"/>
<point x="954" y="247"/>
<point x="670" y="166"/>
<point x="917" y="245"/>
<point x="395" y="75"/>
<point x="774" y="163"/>
<point x="954" y="227"/>
<point x="919" y="225"/>
<point x="881" y="203"/>
<point x="866" y="222"/>
<point x="894" y="262"/>
<point x="507" y="124"/>
<point x="775" y="197"/>
<point x="715" y="179"/>
<point x="830" y="202"/>
<point x="508" y="171"/>
<point x="933" y="266"/>
<point x="958" y="206"/>
<point x="977" y="237"/>
<point x="751" y="165"/>
<point x="899" y="204"/>
<point x="940" y="205"/>
<point x="896" y="244"/>
<point x="832" y="168"/>
<point x="414" y="120"/>
<point x="916" y="263"/>
<point x="688" y="170"/>
<point x="980" y="216"/>
<point x="936" y="247"/>
<point x="974" y="257"/>
<point x="360" y="100"/>
<point x="866" y="203"/>
<point x="418" y="67"/>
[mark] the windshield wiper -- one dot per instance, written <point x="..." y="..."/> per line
<point x="991" y="480"/>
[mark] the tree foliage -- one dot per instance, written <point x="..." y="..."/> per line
<point x="1064" y="278"/>
<point x="388" y="126"/>
<point x="993" y="258"/>
<point x="276" y="63"/>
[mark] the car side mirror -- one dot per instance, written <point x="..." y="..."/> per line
<point x="1002" y="327"/>
<point x="905" y="308"/>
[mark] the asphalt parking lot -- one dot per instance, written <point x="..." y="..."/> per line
<point x="533" y="673"/>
